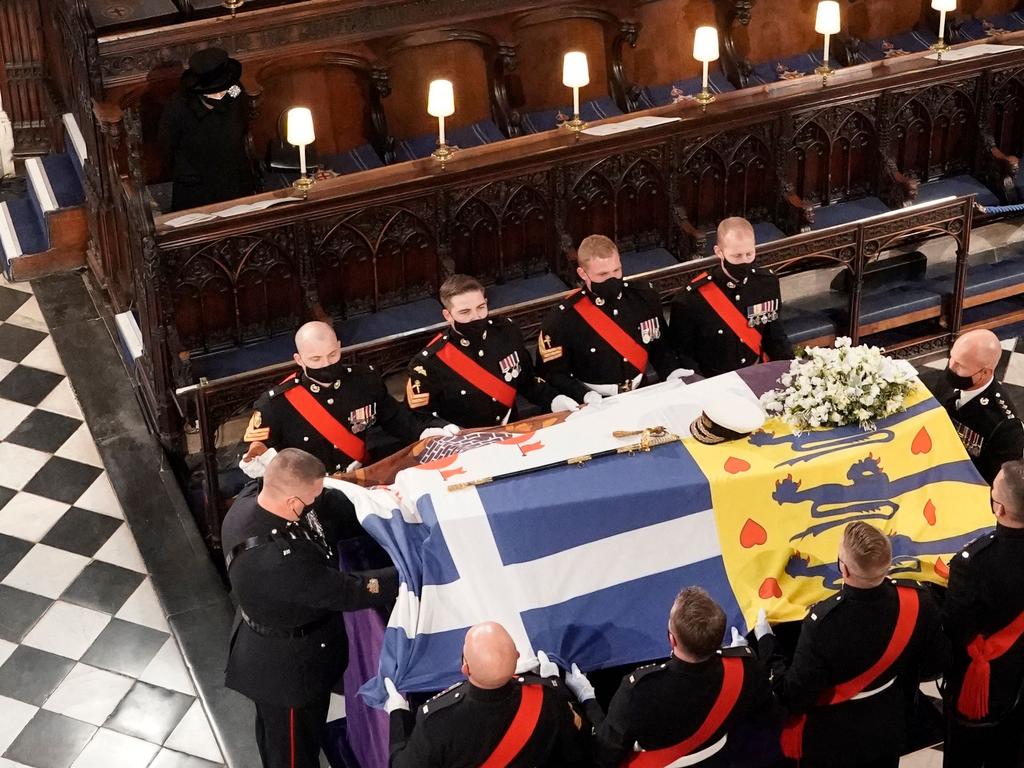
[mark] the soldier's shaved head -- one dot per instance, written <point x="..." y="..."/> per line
<point x="975" y="354"/>
<point x="293" y="480"/>
<point x="734" y="226"/>
<point x="736" y="244"/>
<point x="316" y="345"/>
<point x="1008" y="494"/>
<point x="489" y="655"/>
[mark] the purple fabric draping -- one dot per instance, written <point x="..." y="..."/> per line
<point x="367" y="727"/>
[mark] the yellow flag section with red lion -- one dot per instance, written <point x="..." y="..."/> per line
<point x="781" y="502"/>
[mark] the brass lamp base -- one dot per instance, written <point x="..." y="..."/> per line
<point x="575" y="125"/>
<point x="443" y="153"/>
<point x="302" y="186"/>
<point x="825" y="71"/>
<point x="233" y="5"/>
<point x="704" y="98"/>
<point x="939" y="48"/>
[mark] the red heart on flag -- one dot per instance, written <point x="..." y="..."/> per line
<point x="734" y="466"/>
<point x="752" y="534"/>
<point x="922" y="442"/>
<point x="769" y="588"/>
<point x="929" y="512"/>
<point x="941" y="568"/>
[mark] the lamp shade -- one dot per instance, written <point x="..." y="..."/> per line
<point x="705" y="44"/>
<point x="300" y="126"/>
<point x="827" y="20"/>
<point x="944" y="5"/>
<point x="441" y="99"/>
<point x="575" y="72"/>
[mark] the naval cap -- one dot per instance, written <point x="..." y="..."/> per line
<point x="727" y="417"/>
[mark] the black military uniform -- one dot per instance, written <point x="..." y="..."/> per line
<point x="841" y="638"/>
<point x="358" y="400"/>
<point x="986" y="593"/>
<point x="572" y="352"/>
<point x="989" y="428"/>
<point x="660" y="705"/>
<point x="461" y="727"/>
<point x="289" y="646"/>
<point x="436" y="387"/>
<point x="705" y="342"/>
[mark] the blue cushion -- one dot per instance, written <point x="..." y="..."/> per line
<point x="405" y="317"/>
<point x="638" y="262"/>
<point x="913" y="41"/>
<point x="484" y="132"/>
<point x="984" y="278"/>
<point x="789" y="68"/>
<point x="802" y="325"/>
<point x="31" y="236"/>
<point x="764" y="232"/>
<point x="894" y="301"/>
<point x="979" y="29"/>
<point x="956" y="186"/>
<point x="232" y="361"/>
<point x="550" y="119"/>
<point x="849" y="211"/>
<point x="64" y="180"/>
<point x="524" y="289"/>
<point x="362" y="158"/>
<point x="682" y="90"/>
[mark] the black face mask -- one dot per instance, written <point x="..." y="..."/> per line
<point x="473" y="330"/>
<point x="738" y="271"/>
<point x="328" y="374"/>
<point x="608" y="289"/>
<point x="956" y="381"/>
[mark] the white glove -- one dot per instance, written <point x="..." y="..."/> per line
<point x="432" y="432"/>
<point x="257" y="465"/>
<point x="354" y="466"/>
<point x="395" y="700"/>
<point x="738" y="640"/>
<point x="451" y="429"/>
<point x="592" y="398"/>
<point x="564" y="403"/>
<point x="578" y="683"/>
<point x="679" y="373"/>
<point x="548" y="668"/>
<point x="761" y="626"/>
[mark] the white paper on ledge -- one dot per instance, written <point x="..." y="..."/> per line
<point x="983" y="49"/>
<point x="189" y="218"/>
<point x="629" y="125"/>
<point x="235" y="210"/>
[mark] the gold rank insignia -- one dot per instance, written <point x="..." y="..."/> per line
<point x="253" y="432"/>
<point x="413" y="396"/>
<point x="547" y="352"/>
<point x="420" y="370"/>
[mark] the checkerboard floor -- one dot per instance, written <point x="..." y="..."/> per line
<point x="89" y="672"/>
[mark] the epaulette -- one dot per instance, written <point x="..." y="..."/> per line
<point x="529" y="678"/>
<point x="907" y="583"/>
<point x="435" y="345"/>
<point x="283" y="386"/>
<point x="820" y="610"/>
<point x="648" y="669"/>
<point x="738" y="651"/>
<point x="703" y="277"/>
<point x="446" y="698"/>
<point x="974" y="547"/>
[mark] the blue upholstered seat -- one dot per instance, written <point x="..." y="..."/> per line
<point x="891" y="302"/>
<point x="803" y="325"/>
<point x="422" y="313"/>
<point x="64" y="180"/>
<point x="478" y="134"/>
<point x="979" y="29"/>
<point x="985" y="278"/>
<point x="956" y="186"/>
<point x="362" y="158"/>
<point x="789" y="68"/>
<point x="682" y="90"/>
<point x="549" y="119"/>
<point x="524" y="289"/>
<point x="638" y="262"/>
<point x="848" y="212"/>
<point x="913" y="41"/>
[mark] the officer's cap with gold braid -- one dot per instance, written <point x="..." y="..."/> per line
<point x="727" y="417"/>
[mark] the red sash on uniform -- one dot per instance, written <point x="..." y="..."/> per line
<point x="519" y="730"/>
<point x="610" y="331"/>
<point x="973" y="700"/>
<point x="731" y="316"/>
<point x="470" y="370"/>
<point x="325" y="424"/>
<point x="732" y="685"/>
<point x="906" y="620"/>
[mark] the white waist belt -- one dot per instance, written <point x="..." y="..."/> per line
<point x="607" y="390"/>
<point x="694" y="757"/>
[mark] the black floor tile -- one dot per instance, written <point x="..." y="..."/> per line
<point x="125" y="647"/>
<point x="11" y="301"/>
<point x="6" y="494"/>
<point x="50" y="741"/>
<point x="11" y="551"/>
<point x="19" y="611"/>
<point x="63" y="479"/>
<point x="81" y="531"/>
<point x="102" y="587"/>
<point x="64" y="299"/>
<point x="28" y="385"/>
<point x="149" y="712"/>
<point x="168" y="758"/>
<point x="44" y="431"/>
<point x="31" y="675"/>
<point x="16" y="342"/>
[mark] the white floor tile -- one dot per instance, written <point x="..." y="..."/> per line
<point x="81" y="447"/>
<point x="143" y="607"/>
<point x="62" y="400"/>
<point x="29" y="316"/>
<point x="6" y="366"/>
<point x="6" y="649"/>
<point x="11" y="413"/>
<point x="193" y="735"/>
<point x="110" y="749"/>
<point x="67" y="630"/>
<point x="24" y="287"/>
<point x="167" y="669"/>
<point x="5" y="763"/>
<point x="1015" y="370"/>
<point x="120" y="549"/>
<point x="14" y="716"/>
<point x="99" y="497"/>
<point x="29" y="517"/>
<point x="45" y="356"/>
<point x="46" y="571"/>
<point x="89" y="694"/>
<point x="19" y="464"/>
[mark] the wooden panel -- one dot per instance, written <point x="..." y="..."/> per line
<point x="23" y="74"/>
<point x="779" y="28"/>
<point x="871" y="19"/>
<point x="541" y="47"/>
<point x="833" y="154"/>
<point x="664" y="50"/>
<point x="987" y="8"/>
<point x="1006" y="116"/>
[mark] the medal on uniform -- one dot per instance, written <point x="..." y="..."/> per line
<point x="510" y="367"/>
<point x="649" y="330"/>
<point x="362" y="418"/>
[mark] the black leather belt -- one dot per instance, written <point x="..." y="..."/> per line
<point x="291" y="632"/>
